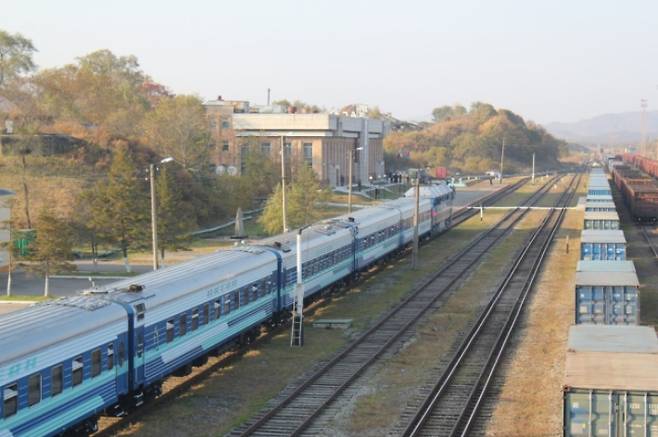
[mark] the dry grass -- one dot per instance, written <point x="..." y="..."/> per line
<point x="378" y="411"/>
<point x="530" y="401"/>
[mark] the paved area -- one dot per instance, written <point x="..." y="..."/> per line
<point x="464" y="196"/>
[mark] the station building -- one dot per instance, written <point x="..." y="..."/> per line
<point x="323" y="140"/>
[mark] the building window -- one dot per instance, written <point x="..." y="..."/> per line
<point x="34" y="389"/>
<point x="10" y="400"/>
<point x="76" y="369"/>
<point x="287" y="149"/>
<point x="95" y="363"/>
<point x="225" y="146"/>
<point x="266" y="149"/>
<point x="56" y="380"/>
<point x="244" y="152"/>
<point x="308" y="153"/>
<point x="225" y="124"/>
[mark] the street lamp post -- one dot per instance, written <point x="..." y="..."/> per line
<point x="352" y="158"/>
<point x="297" y="329"/>
<point x="283" y="182"/>
<point x="154" y="214"/>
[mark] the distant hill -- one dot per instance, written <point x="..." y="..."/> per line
<point x="607" y="129"/>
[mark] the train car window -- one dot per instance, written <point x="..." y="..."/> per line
<point x="10" y="400"/>
<point x="140" y="344"/>
<point x="76" y="369"/>
<point x="206" y="314"/>
<point x="195" y="319"/>
<point x="140" y="310"/>
<point x="227" y="303"/>
<point x="218" y="308"/>
<point x="56" y="380"/>
<point x="170" y="331"/>
<point x="254" y="292"/>
<point x="110" y="356"/>
<point x="244" y="296"/>
<point x="182" y="325"/>
<point x="34" y="389"/>
<point x="95" y="362"/>
<point x="235" y="303"/>
<point x="122" y="353"/>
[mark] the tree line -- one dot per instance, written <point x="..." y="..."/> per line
<point x="471" y="140"/>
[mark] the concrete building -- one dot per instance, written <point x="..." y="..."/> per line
<point x="324" y="141"/>
<point x="5" y="213"/>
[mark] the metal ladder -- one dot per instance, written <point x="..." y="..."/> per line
<point x="297" y="333"/>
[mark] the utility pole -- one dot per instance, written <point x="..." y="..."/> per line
<point x="643" y="127"/>
<point x="10" y="251"/>
<point x="283" y="183"/>
<point x="414" y="253"/>
<point x="349" y="177"/>
<point x="533" y="169"/>
<point x="502" y="160"/>
<point x="154" y="217"/>
<point x="297" y="329"/>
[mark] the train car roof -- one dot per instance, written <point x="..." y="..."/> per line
<point x="44" y="324"/>
<point x="429" y="191"/>
<point x="172" y="282"/>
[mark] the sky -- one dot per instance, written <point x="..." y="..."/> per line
<point x="546" y="60"/>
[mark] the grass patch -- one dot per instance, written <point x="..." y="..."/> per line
<point x="18" y="298"/>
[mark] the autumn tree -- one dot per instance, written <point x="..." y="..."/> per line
<point x="120" y="205"/>
<point x="15" y="56"/>
<point x="52" y="247"/>
<point x="302" y="199"/>
<point x="177" y="127"/>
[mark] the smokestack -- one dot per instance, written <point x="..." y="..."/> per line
<point x="268" y="97"/>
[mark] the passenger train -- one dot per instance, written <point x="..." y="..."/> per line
<point x="65" y="362"/>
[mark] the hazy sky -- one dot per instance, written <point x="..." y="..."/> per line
<point x="547" y="60"/>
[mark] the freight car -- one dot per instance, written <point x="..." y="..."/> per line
<point x="63" y="363"/>
<point x="639" y="191"/>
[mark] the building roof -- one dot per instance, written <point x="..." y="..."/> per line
<point x="602" y="236"/>
<point x="601" y="215"/>
<point x="613" y="357"/>
<point x="609" y="279"/>
<point x="606" y="266"/>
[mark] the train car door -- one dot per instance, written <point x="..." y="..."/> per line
<point x="140" y="346"/>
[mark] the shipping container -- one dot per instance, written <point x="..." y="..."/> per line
<point x="591" y="198"/>
<point x="441" y="172"/>
<point x="600" y="206"/>
<point x="607" y="297"/>
<point x="602" y="245"/>
<point x="611" y="382"/>
<point x="601" y="220"/>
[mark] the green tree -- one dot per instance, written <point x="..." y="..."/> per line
<point x="120" y="206"/>
<point x="175" y="216"/>
<point x="177" y="127"/>
<point x="272" y="217"/>
<point x="52" y="247"/>
<point x="15" y="56"/>
<point x="302" y="198"/>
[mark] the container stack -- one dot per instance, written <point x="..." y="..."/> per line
<point x="611" y="370"/>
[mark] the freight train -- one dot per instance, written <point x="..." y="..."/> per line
<point x="634" y="177"/>
<point x="65" y="362"/>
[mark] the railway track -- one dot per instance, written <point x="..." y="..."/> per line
<point x="647" y="238"/>
<point x="229" y="356"/>
<point x="452" y="403"/>
<point x="299" y="407"/>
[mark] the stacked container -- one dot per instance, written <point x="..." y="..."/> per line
<point x="611" y="382"/>
<point x="598" y="245"/>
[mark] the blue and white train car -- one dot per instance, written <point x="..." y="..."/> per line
<point x="182" y="313"/>
<point x="61" y="364"/>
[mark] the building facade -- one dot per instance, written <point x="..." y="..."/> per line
<point x="324" y="141"/>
